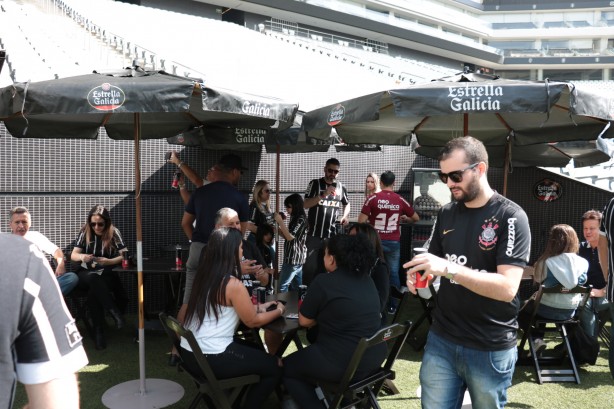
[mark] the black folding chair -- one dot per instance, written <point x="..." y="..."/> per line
<point x="565" y="368"/>
<point x="216" y="393"/>
<point x="350" y="392"/>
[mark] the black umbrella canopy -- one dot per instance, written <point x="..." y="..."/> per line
<point x="76" y="107"/>
<point x="584" y="153"/>
<point x="133" y="104"/>
<point x="488" y="108"/>
<point x="249" y="139"/>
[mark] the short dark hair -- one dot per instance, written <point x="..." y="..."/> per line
<point x="333" y="161"/>
<point x="387" y="178"/>
<point x="353" y="253"/>
<point x="474" y="149"/>
<point x="372" y="235"/>
<point x="18" y="210"/>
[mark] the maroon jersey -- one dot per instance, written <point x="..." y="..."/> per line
<point x="384" y="210"/>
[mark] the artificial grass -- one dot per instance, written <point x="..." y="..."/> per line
<point x="119" y="363"/>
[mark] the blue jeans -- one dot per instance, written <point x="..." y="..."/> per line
<point x="448" y="369"/>
<point x="589" y="314"/>
<point x="392" y="253"/>
<point x="67" y="282"/>
<point x="290" y="277"/>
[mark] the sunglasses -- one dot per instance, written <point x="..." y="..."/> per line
<point x="266" y="190"/>
<point x="457" y="175"/>
<point x="333" y="171"/>
<point x="99" y="224"/>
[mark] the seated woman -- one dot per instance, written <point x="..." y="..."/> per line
<point x="346" y="306"/>
<point x="379" y="271"/>
<point x="217" y="302"/>
<point x="99" y="249"/>
<point x="559" y="264"/>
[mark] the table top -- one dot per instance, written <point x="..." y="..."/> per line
<point x="284" y="325"/>
<point x="163" y="265"/>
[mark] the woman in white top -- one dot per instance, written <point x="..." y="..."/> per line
<point x="217" y="302"/>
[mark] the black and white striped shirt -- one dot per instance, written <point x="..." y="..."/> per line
<point x="322" y="217"/>
<point x="95" y="246"/>
<point x="40" y="341"/>
<point x="295" y="251"/>
<point x="607" y="227"/>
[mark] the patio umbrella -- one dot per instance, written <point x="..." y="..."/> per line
<point x="133" y="104"/>
<point x="504" y="114"/>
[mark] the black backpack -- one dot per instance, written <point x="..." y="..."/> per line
<point x="585" y="348"/>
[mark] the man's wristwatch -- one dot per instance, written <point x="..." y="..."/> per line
<point x="450" y="271"/>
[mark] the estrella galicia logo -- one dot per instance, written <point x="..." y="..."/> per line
<point x="336" y="115"/>
<point x="106" y="97"/>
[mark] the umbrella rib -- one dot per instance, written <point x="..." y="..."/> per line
<point x="505" y="124"/>
<point x="105" y="119"/>
<point x="422" y="122"/>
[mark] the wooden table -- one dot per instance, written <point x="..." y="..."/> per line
<point x="288" y="327"/>
<point x="165" y="266"/>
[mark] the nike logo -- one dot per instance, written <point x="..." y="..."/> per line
<point x="447" y="231"/>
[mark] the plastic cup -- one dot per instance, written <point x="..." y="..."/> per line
<point x="419" y="283"/>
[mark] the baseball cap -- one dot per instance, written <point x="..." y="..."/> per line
<point x="232" y="161"/>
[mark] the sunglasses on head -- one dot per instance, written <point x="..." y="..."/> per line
<point x="333" y="171"/>
<point x="457" y="175"/>
<point x="99" y="224"/>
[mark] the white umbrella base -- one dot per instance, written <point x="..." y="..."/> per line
<point x="159" y="393"/>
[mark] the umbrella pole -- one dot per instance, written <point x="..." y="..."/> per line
<point x="506" y="166"/>
<point x="162" y="392"/>
<point x="277" y="184"/>
<point x="139" y="249"/>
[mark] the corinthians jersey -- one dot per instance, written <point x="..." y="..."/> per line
<point x="481" y="239"/>
<point x="321" y="218"/>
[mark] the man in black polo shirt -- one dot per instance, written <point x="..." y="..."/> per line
<point x="202" y="207"/>
<point x="480" y="245"/>
<point x="324" y="198"/>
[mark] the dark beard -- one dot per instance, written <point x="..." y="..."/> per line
<point x="473" y="190"/>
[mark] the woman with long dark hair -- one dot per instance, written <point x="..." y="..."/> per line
<point x="346" y="307"/>
<point x="217" y="302"/>
<point x="379" y="270"/>
<point x="295" y="250"/>
<point x="98" y="249"/>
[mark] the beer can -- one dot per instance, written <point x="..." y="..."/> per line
<point x="302" y="290"/>
<point x="255" y="285"/>
<point x="178" y="260"/>
<point x="125" y="260"/>
<point x="175" y="183"/>
<point x="261" y="294"/>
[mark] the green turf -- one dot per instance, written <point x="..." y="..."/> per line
<point x="119" y="363"/>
